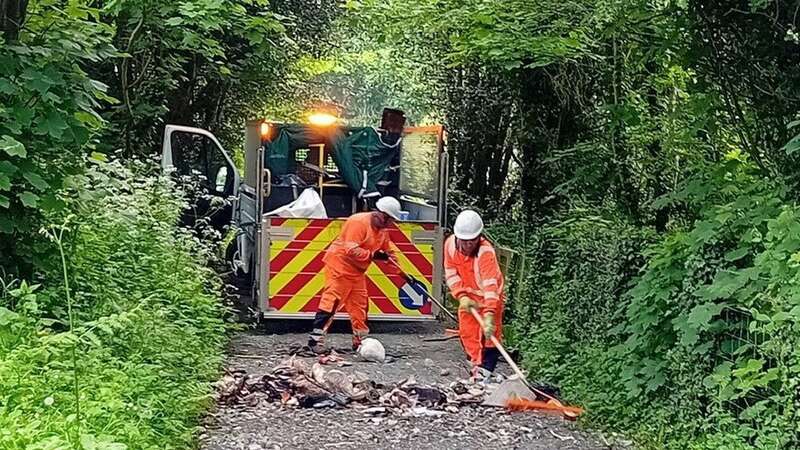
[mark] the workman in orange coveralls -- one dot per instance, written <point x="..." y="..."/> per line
<point x="364" y="238"/>
<point x="475" y="280"/>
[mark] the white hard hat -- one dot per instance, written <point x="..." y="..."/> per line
<point x="372" y="350"/>
<point x="390" y="206"/>
<point x="469" y="225"/>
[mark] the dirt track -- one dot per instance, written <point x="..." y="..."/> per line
<point x="270" y="426"/>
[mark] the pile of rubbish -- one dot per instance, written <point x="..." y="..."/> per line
<point x="297" y="383"/>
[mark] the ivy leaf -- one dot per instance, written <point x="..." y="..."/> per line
<point x="4" y="201"/>
<point x="727" y="283"/>
<point x="752" y="366"/>
<point x="721" y="375"/>
<point x="50" y="202"/>
<point x="22" y="120"/>
<point x="771" y="375"/>
<point x="29" y="199"/>
<point x="6" y="87"/>
<point x="5" y="182"/>
<point x="37" y="80"/>
<point x="690" y="335"/>
<point x="36" y="180"/>
<point x="12" y="147"/>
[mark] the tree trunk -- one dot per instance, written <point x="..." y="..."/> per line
<point x="12" y="16"/>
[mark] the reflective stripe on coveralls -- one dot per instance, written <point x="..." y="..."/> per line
<point x="480" y="279"/>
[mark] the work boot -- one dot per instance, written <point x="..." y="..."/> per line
<point x="481" y="375"/>
<point x="356" y="343"/>
<point x="489" y="358"/>
<point x="317" y="345"/>
<point x="317" y="348"/>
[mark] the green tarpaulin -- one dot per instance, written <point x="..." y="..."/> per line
<point x="359" y="153"/>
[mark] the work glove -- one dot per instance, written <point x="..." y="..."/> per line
<point x="488" y="325"/>
<point x="380" y="255"/>
<point x="465" y="303"/>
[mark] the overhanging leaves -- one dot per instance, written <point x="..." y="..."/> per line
<point x="12" y="147"/>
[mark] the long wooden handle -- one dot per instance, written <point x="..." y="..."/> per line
<point x="442" y="307"/>
<point x="498" y="345"/>
<point x="510" y="361"/>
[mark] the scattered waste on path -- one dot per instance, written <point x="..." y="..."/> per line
<point x="298" y="383"/>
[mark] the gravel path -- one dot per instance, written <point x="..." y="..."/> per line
<point x="271" y="426"/>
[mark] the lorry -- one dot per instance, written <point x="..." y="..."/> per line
<point x="299" y="183"/>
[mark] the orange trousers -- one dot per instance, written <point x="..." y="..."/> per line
<point x="348" y="294"/>
<point x="471" y="334"/>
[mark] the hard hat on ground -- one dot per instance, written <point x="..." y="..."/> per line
<point x="469" y="225"/>
<point x="372" y="350"/>
<point x="391" y="206"/>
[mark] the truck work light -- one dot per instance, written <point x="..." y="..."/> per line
<point x="322" y="119"/>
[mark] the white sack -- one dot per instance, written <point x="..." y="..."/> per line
<point x="307" y="205"/>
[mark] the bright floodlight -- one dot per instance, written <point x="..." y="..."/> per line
<point x="322" y="119"/>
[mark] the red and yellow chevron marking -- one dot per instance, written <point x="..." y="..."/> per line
<point x="295" y="266"/>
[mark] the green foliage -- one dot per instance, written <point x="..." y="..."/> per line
<point x="118" y="350"/>
<point x="189" y="62"/>
<point x="601" y="123"/>
<point x="48" y="116"/>
<point x="148" y="325"/>
<point x="577" y="267"/>
<point x="714" y="318"/>
<point x="106" y="76"/>
<point x="704" y="338"/>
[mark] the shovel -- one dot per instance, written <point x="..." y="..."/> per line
<point x="515" y="392"/>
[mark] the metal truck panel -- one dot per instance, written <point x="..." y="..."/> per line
<point x="295" y="268"/>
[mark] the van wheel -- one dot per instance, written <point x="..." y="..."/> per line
<point x="230" y="255"/>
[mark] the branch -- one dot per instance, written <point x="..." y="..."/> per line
<point x="143" y="71"/>
<point x="755" y="13"/>
<point x="124" y="67"/>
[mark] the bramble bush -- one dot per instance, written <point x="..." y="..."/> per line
<point x="147" y="328"/>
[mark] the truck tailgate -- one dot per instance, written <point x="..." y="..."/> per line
<point x="295" y="282"/>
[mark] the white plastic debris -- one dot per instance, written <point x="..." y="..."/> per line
<point x="308" y="204"/>
<point x="372" y="350"/>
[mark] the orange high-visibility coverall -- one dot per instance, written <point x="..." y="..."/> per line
<point x="346" y="261"/>
<point x="480" y="279"/>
